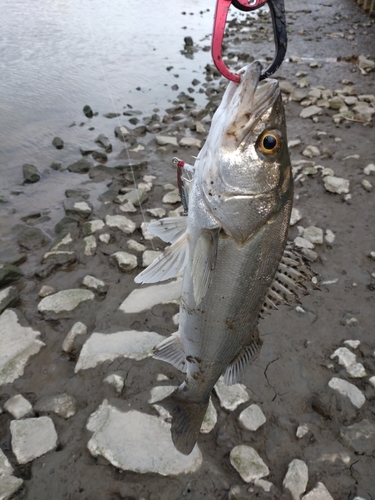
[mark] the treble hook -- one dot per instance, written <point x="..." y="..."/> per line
<point x="279" y="30"/>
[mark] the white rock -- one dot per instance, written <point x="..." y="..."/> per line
<point x="313" y="234"/>
<point x="349" y="390"/>
<point x="320" y="492"/>
<point x="302" y="430"/>
<point x="89" y="244"/>
<point x="310" y="111"/>
<point x="145" y="298"/>
<point x="156" y="212"/>
<point x="17" y="344"/>
<point x="64" y="405"/>
<point x="190" y="141"/>
<point x="145" y="232"/>
<point x="120" y="222"/>
<point x="330" y="236"/>
<point x="32" y="438"/>
<point x="61" y="304"/>
<point x="172" y="197"/>
<point x="138" y="442"/>
<point x="303" y="243"/>
<point x="372" y="381"/>
<point x="354" y="344"/>
<point x="367" y="186"/>
<point x="128" y="207"/>
<point x="210" y="418"/>
<point x="149" y="178"/>
<point x="8" y="486"/>
<point x="231" y="396"/>
<point x="149" y="256"/>
<point x="369" y="169"/>
<point x="46" y="290"/>
<point x="65" y="241"/>
<point x="130" y="344"/>
<point x="104" y="238"/>
<point x="345" y="357"/>
<point x="252" y="418"/>
<point x="356" y="371"/>
<point x="311" y="151"/>
<point x="82" y="207"/>
<point x="296" y="478"/>
<point x="265" y="485"/>
<point x="248" y="463"/>
<point x="18" y="406"/>
<point x="116" y="381"/>
<point x="125" y="261"/>
<point x="293" y="143"/>
<point x="135" y="246"/>
<point x="5" y="468"/>
<point x="177" y="212"/>
<point x="336" y="184"/>
<point x="94" y="283"/>
<point x="93" y="226"/>
<point x="164" y="140"/>
<point x="77" y="329"/>
<point x="145" y="186"/>
<point x="295" y="217"/>
<point x="327" y="171"/>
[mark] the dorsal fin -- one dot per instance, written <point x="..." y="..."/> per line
<point x="246" y="356"/>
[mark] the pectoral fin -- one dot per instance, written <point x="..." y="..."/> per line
<point x="247" y="355"/>
<point x="169" y="229"/>
<point x="204" y="262"/>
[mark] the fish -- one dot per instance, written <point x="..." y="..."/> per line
<point x="230" y="247"/>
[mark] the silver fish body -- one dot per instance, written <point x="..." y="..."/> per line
<point x="240" y="201"/>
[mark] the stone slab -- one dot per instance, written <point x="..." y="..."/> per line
<point x="143" y="299"/>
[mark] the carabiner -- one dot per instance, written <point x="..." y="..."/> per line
<point x="279" y="30"/>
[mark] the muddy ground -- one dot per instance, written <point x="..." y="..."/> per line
<point x="289" y="380"/>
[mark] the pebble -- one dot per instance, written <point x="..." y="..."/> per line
<point x="354" y="344"/>
<point x="311" y="151"/>
<point x="147" y="235"/>
<point x="104" y="238"/>
<point x="77" y="329"/>
<point x="129" y="344"/>
<point x="296" y="478"/>
<point x="356" y="370"/>
<point x="128" y="207"/>
<point x="60" y="305"/>
<point x="303" y="243"/>
<point x="120" y="222"/>
<point x="125" y="261"/>
<point x="149" y="256"/>
<point x="293" y="143"/>
<point x="104" y="142"/>
<point x="135" y="246"/>
<point x="18" y="406"/>
<point x="172" y="197"/>
<point x="116" y="381"/>
<point x="310" y="111"/>
<point x="190" y="141"/>
<point x="372" y="381"/>
<point x="9" y="273"/>
<point x="80" y="167"/>
<point x="58" y="143"/>
<point x="30" y="173"/>
<point x="64" y="405"/>
<point x="367" y="186"/>
<point x="46" y="290"/>
<point x="329" y="236"/>
<point x="164" y="140"/>
<point x="77" y="206"/>
<point x="231" y="396"/>
<point x="143" y="299"/>
<point x="156" y="212"/>
<point x="345" y="357"/>
<point x="60" y="257"/>
<point x="302" y="430"/>
<point x="248" y="463"/>
<point x="32" y="438"/>
<point x="89" y="243"/>
<point x="93" y="226"/>
<point x="286" y="87"/>
<point x="8" y="298"/>
<point x="320" y="492"/>
<point x="138" y="442"/>
<point x="9" y="485"/>
<point x="313" y="234"/>
<point x="17" y="344"/>
<point x="295" y="217"/>
<point x="369" y="169"/>
<point x="336" y="184"/>
<point x="252" y="418"/>
<point x="135" y="196"/>
<point x="349" y="390"/>
<point x="88" y="111"/>
<point x="94" y="284"/>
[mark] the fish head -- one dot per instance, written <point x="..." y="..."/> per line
<point x="245" y="171"/>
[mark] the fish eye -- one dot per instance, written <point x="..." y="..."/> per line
<point x="269" y="142"/>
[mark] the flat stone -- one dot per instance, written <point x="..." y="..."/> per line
<point x="310" y="111"/>
<point x="369" y="169"/>
<point x="147" y="235"/>
<point x="116" y="381"/>
<point x="367" y="186"/>
<point x="89" y="244"/>
<point x="80" y="166"/>
<point x="9" y="485"/>
<point x="8" y="298"/>
<point x="128" y="207"/>
<point x="143" y="299"/>
<point x="156" y="212"/>
<point x="77" y="329"/>
<point x="293" y="143"/>
<point x="349" y="390"/>
<point x="356" y="371"/>
<point x="94" y="284"/>
<point x="172" y="197"/>
<point x="60" y="305"/>
<point x="64" y="405"/>
<point x="62" y="258"/>
<point x="210" y="418"/>
<point x="345" y="357"/>
<point x="137" y="442"/>
<point x="311" y="151"/>
<point x="31" y="238"/>
<point x="164" y="140"/>
<point x="231" y="396"/>
<point x="125" y="261"/>
<point x="32" y="438"/>
<point x="303" y="243"/>
<point x="354" y="344"/>
<point x="105" y="238"/>
<point x="248" y="463"/>
<point x="18" y="406"/>
<point x="320" y="492"/>
<point x="252" y="418"/>
<point x="329" y="236"/>
<point x="9" y="273"/>
<point x="93" y="226"/>
<point x="17" y="344"/>
<point x="78" y="192"/>
<point x="135" y="246"/>
<point x="135" y="196"/>
<point x="120" y="222"/>
<point x="129" y="344"/>
<point x="190" y="142"/>
<point x="77" y="207"/>
<point x="30" y="173"/>
<point x="336" y="184"/>
<point x="296" y="478"/>
<point x="46" y="290"/>
<point x="313" y="234"/>
<point x="149" y="256"/>
<point x="286" y="87"/>
<point x="295" y="217"/>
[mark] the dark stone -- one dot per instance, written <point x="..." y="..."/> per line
<point x="103" y="142"/>
<point x="100" y="156"/>
<point x="133" y="120"/>
<point x="9" y="273"/>
<point x="140" y="131"/>
<point x="11" y="298"/>
<point x="111" y="115"/>
<point x="73" y="193"/>
<point x="58" y="143"/>
<point x="101" y="173"/>
<point x="46" y="270"/>
<point x="88" y="111"/>
<point x="360" y="437"/>
<point x="129" y="165"/>
<point x="55" y="166"/>
<point x="80" y="167"/>
<point x="31" y="238"/>
<point x="188" y="41"/>
<point x="108" y="196"/>
<point x="40" y="220"/>
<point x="71" y="208"/>
<point x="67" y="225"/>
<point x="30" y="173"/>
<point x="12" y="256"/>
<point x="3" y="199"/>
<point x="60" y="257"/>
<point x="122" y="133"/>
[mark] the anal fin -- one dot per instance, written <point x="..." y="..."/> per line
<point x="171" y="351"/>
<point x="247" y="355"/>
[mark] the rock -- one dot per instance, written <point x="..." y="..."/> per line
<point x="134" y="196"/>
<point x="295" y="217"/>
<point x="104" y="143"/>
<point x="248" y="463"/>
<point x="94" y="284"/>
<point x="147" y="235"/>
<point x="354" y="344"/>
<point x="9" y="485"/>
<point x="90" y="245"/>
<point x="311" y="151"/>
<point x="116" y="381"/>
<point x="231" y="396"/>
<point x="129" y="344"/>
<point x="8" y="298"/>
<point x="121" y="133"/>
<point x="120" y="222"/>
<point x="138" y="442"/>
<point x="149" y="256"/>
<point x="125" y="261"/>
<point x="77" y="329"/>
<point x="164" y="140"/>
<point x="18" y="406"/>
<point x="286" y="87"/>
<point x="77" y="207"/>
<point x="210" y="418"/>
<point x="78" y="193"/>
<point x="336" y="184"/>
<point x="58" y="143"/>
<point x="31" y="237"/>
<point x="320" y="492"/>
<point x="345" y="357"/>
<point x="365" y="63"/>
<point x="293" y="143"/>
<point x="313" y="234"/>
<point x="99" y="156"/>
<point x="336" y="102"/>
<point x="80" y="167"/>
<point x="88" y="111"/>
<point x="302" y="430"/>
<point x="63" y="405"/>
<point x="111" y="115"/>
<point x="67" y="225"/>
<point x="172" y="197"/>
<point x="296" y="478"/>
<point x="17" y="344"/>
<point x="190" y="142"/>
<point x="158" y="393"/>
<point x="367" y="186"/>
<point x="349" y="390"/>
<point x="5" y="468"/>
<point x="330" y="236"/>
<point x="360" y="437"/>
<point x="60" y="305"/>
<point x="135" y="246"/>
<point x="252" y="418"/>
<point x="310" y="111"/>
<point x="104" y="238"/>
<point x="156" y="212"/>
<point x="128" y="207"/>
<point x="372" y="381"/>
<point x="60" y="257"/>
<point x="93" y="226"/>
<point x="9" y="273"/>
<point x="32" y="438"/>
<point x="145" y="298"/>
<point x="30" y="173"/>
<point x="369" y="169"/>
<point x="303" y="243"/>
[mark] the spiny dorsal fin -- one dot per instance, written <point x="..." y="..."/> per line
<point x="169" y="229"/>
<point x="204" y="262"/>
<point x="247" y="355"/>
<point x="171" y="351"/>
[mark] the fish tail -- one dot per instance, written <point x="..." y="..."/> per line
<point x="187" y="418"/>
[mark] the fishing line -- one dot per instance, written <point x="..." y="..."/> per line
<point x="116" y="112"/>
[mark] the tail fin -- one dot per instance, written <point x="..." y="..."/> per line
<point x="187" y="418"/>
